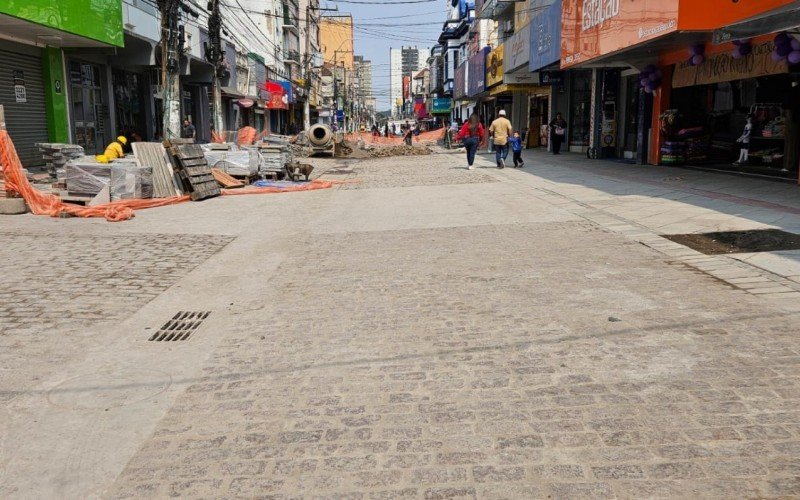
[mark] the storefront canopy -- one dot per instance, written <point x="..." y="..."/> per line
<point x="786" y="18"/>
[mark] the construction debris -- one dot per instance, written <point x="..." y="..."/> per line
<point x="402" y="150"/>
<point x="56" y="155"/>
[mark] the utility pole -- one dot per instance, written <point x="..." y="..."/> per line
<point x="307" y="71"/>
<point x="172" y="40"/>
<point x="216" y="56"/>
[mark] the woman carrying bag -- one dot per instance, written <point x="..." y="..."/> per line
<point x="471" y="135"/>
<point x="558" y="133"/>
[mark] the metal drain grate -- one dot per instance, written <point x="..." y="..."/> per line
<point x="180" y="327"/>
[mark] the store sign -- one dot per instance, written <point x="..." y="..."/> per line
<point x="494" y="66"/>
<point x="723" y="67"/>
<point x="594" y="28"/>
<point x="518" y="49"/>
<point x="476" y="75"/>
<point x="551" y="78"/>
<point x="340" y="115"/>
<point x="460" y="81"/>
<point x="545" y="37"/>
<point x="276" y="97"/>
<point x="441" y="105"/>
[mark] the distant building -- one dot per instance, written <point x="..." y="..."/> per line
<point x="336" y="39"/>
<point x="404" y="62"/>
<point x="363" y="69"/>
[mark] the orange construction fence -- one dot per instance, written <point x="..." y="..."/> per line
<point x="49" y="204"/>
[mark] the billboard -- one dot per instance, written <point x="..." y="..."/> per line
<point x="593" y="28"/>
<point x="545" y="37"/>
<point x="476" y="75"/>
<point x="406" y="87"/>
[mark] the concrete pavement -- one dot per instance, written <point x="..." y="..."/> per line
<point x="428" y="332"/>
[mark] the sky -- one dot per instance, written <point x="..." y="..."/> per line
<point x="378" y="26"/>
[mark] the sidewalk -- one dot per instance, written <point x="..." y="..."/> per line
<point x="667" y="200"/>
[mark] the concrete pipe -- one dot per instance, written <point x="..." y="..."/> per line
<point x="320" y="135"/>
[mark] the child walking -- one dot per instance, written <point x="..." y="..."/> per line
<point x="516" y="147"/>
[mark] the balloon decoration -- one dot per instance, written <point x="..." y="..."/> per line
<point x="787" y="48"/>
<point x="742" y="48"/>
<point x="650" y="79"/>
<point x="697" y="54"/>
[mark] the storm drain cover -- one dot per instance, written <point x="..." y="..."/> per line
<point x="181" y="326"/>
<point x="760" y="240"/>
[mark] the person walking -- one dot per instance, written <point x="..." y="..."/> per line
<point x="558" y="133"/>
<point x="515" y="143"/>
<point x="471" y="135"/>
<point x="501" y="130"/>
<point x="408" y="135"/>
<point x="386" y="130"/>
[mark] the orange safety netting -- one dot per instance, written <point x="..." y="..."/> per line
<point x="52" y="205"/>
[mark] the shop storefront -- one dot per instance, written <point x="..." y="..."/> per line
<point x="530" y="102"/>
<point x="709" y="104"/>
<point x="692" y="97"/>
<point x="23" y="97"/>
<point x="553" y="94"/>
<point x="35" y="79"/>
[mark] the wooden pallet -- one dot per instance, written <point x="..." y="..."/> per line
<point x="225" y="180"/>
<point x="192" y="169"/>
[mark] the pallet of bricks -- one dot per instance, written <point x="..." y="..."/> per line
<point x="191" y="167"/>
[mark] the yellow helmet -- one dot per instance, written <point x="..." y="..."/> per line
<point x="122" y="139"/>
<point x="101" y="158"/>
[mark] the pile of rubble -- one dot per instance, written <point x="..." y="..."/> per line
<point x="402" y="150"/>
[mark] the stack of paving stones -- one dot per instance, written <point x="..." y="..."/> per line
<point x="56" y="155"/>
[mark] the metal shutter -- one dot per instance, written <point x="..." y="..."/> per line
<point x="26" y="121"/>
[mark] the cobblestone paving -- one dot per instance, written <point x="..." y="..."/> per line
<point x="431" y="170"/>
<point x="518" y="361"/>
<point x="54" y="284"/>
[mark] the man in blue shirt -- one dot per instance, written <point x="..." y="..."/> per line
<point x="516" y="147"/>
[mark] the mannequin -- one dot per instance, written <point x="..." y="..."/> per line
<point x="744" y="140"/>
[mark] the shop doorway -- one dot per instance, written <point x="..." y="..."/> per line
<point x="630" y="118"/>
<point x="537" y="122"/>
<point x="87" y="106"/>
<point x="129" y="103"/>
